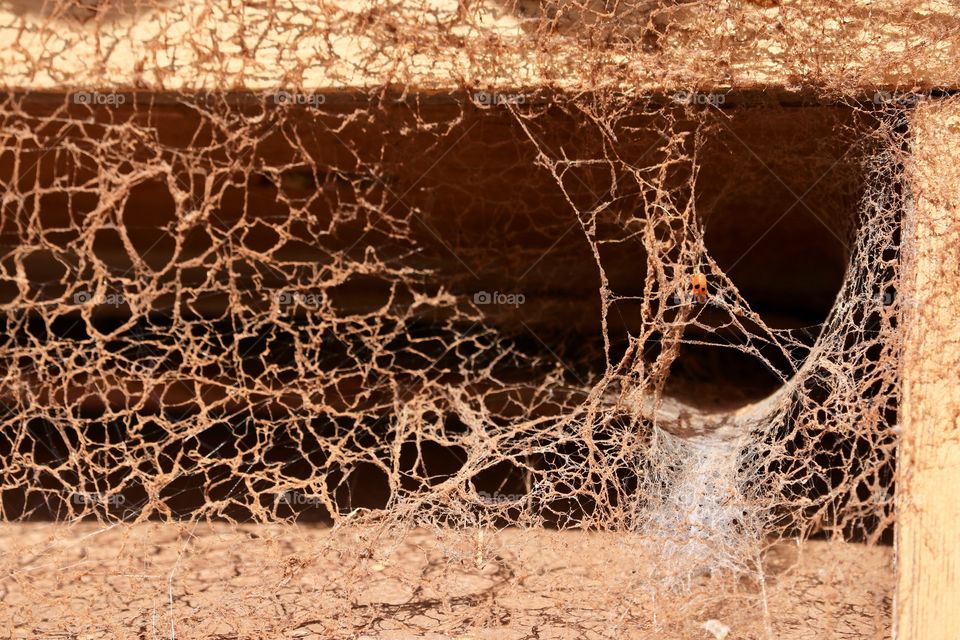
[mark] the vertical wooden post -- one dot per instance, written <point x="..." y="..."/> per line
<point x="928" y="522"/>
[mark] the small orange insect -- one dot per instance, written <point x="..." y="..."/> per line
<point x="700" y="287"/>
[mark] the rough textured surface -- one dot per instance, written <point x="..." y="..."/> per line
<point x="928" y="541"/>
<point x="394" y="266"/>
<point x="219" y="582"/>
<point x="444" y="44"/>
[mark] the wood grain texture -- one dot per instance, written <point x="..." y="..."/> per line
<point x="642" y="45"/>
<point x="928" y="539"/>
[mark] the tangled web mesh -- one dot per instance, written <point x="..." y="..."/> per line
<point x="463" y="311"/>
<point x="243" y="321"/>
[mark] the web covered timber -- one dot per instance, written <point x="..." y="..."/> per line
<point x="669" y="315"/>
<point x="212" y="327"/>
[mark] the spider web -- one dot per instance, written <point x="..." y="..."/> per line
<point x="379" y="313"/>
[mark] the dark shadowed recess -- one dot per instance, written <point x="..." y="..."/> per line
<point x="457" y="192"/>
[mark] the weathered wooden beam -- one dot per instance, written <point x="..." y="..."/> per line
<point x="928" y="532"/>
<point x="199" y="45"/>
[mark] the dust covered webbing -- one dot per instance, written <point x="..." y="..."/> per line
<point x="456" y="310"/>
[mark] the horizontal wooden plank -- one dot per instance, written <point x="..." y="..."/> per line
<point x="424" y="45"/>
